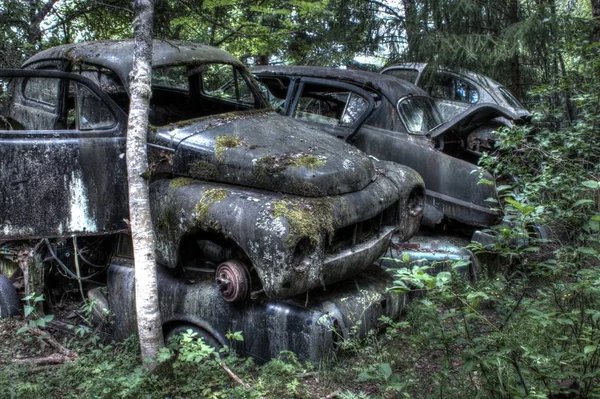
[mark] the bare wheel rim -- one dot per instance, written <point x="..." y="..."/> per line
<point x="233" y="279"/>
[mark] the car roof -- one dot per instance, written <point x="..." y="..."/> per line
<point x="390" y="86"/>
<point x="420" y="66"/>
<point x="117" y="55"/>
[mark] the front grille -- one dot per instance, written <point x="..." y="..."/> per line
<point x="363" y="231"/>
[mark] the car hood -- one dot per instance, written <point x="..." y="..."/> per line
<point x="265" y="150"/>
<point x="472" y="118"/>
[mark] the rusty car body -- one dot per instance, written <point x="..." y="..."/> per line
<point x="250" y="209"/>
<point x="395" y="120"/>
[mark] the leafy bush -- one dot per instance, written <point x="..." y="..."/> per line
<point x="535" y="329"/>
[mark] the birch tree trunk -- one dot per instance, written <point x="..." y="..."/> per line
<point x="146" y="287"/>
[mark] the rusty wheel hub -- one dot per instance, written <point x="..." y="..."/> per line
<point x="233" y="280"/>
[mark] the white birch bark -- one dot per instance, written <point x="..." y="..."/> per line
<point x="146" y="292"/>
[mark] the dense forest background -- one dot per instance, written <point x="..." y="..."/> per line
<point x="529" y="328"/>
<point x="521" y="43"/>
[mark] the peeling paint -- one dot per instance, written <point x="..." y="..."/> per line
<point x="80" y="219"/>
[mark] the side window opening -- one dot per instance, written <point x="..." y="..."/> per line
<point x="6" y="122"/>
<point x="35" y="103"/>
<point x="42" y="90"/>
<point x="43" y="103"/>
<point x="91" y="112"/>
<point x="451" y="88"/>
<point x="275" y="90"/>
<point x="223" y="81"/>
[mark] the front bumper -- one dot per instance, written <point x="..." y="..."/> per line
<point x="310" y="325"/>
<point x="439" y="252"/>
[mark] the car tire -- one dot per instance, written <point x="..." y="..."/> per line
<point x="10" y="305"/>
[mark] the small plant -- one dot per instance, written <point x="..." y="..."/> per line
<point x="34" y="320"/>
<point x="382" y="373"/>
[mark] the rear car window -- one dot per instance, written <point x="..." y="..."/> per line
<point x="404" y="74"/>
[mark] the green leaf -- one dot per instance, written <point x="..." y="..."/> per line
<point x="583" y="201"/>
<point x="591" y="184"/>
<point x="486" y="181"/>
<point x="22" y="329"/>
<point x="28" y="310"/>
<point x="589" y="348"/>
<point x="443" y="278"/>
<point x="587" y="251"/>
<point x="386" y="370"/>
<point x="565" y="322"/>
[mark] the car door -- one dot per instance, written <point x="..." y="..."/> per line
<point x="62" y="157"/>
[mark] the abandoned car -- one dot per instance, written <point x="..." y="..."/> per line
<point x="395" y="120"/>
<point x="457" y="89"/>
<point x="262" y="224"/>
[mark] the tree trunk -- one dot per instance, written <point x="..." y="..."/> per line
<point x="261" y="59"/>
<point x="515" y="67"/>
<point x="146" y="287"/>
<point x="37" y="13"/>
<point x="411" y="25"/>
<point x="596" y="17"/>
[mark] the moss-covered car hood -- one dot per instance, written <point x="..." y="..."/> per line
<point x="265" y="150"/>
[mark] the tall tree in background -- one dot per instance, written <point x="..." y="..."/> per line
<point x="146" y="287"/>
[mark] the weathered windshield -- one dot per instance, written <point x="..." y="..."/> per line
<point x="182" y="92"/>
<point x="418" y="114"/>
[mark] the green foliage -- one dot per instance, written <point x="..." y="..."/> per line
<point x="34" y="320"/>
<point x="534" y="330"/>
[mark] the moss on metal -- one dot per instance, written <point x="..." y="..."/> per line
<point x="168" y="219"/>
<point x="204" y="170"/>
<point x="308" y="161"/>
<point x="208" y="198"/>
<point x="225" y="142"/>
<point x="180" y="182"/>
<point x="275" y="164"/>
<point x="306" y="218"/>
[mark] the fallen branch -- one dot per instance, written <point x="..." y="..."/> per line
<point x="233" y="376"/>
<point x="71" y="355"/>
<point x="332" y="395"/>
<point x="55" y="358"/>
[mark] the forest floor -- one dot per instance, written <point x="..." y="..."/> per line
<point x="103" y="369"/>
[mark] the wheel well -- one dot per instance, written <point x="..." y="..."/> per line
<point x="204" y="330"/>
<point x="208" y="250"/>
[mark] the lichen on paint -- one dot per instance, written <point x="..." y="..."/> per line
<point x="225" y="142"/>
<point x="179" y="182"/>
<point x="209" y="198"/>
<point x="306" y="218"/>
